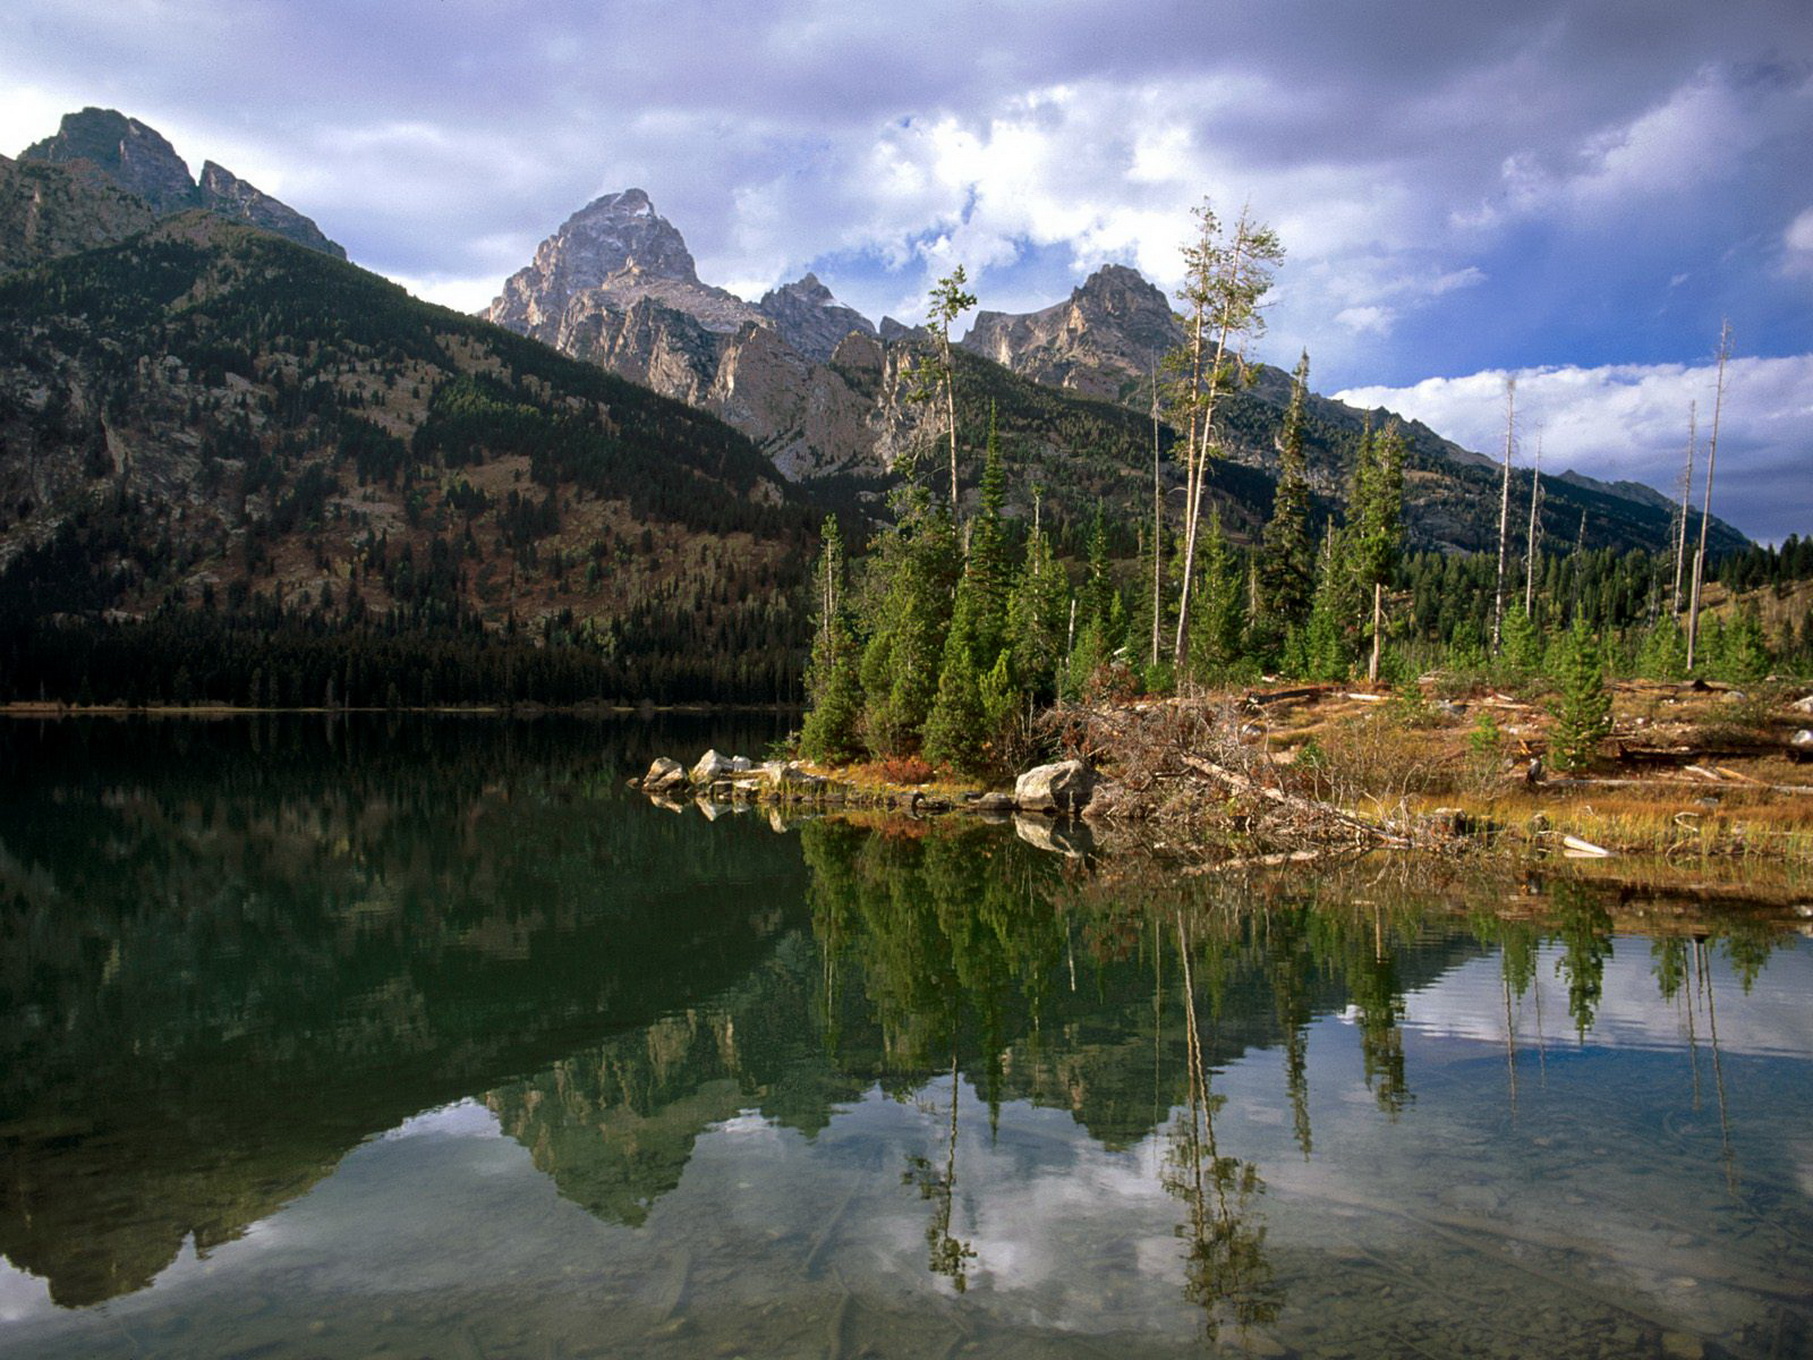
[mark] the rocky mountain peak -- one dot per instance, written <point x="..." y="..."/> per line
<point x="139" y="159"/>
<point x="1107" y="334"/>
<point x="135" y="156"/>
<point x="810" y="319"/>
<point x="614" y="238"/>
<point x="224" y="193"/>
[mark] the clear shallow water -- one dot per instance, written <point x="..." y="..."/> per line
<point x="431" y="1039"/>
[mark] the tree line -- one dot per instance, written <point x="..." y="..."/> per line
<point x="944" y="637"/>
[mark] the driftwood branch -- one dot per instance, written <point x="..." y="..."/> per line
<point x="1303" y="806"/>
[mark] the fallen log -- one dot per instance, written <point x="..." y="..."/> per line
<point x="1308" y="807"/>
<point x="1258" y="862"/>
<point x="1263" y="697"/>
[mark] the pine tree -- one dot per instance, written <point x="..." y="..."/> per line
<point x="1745" y="658"/>
<point x="1522" y="652"/>
<point x="1287" y="561"/>
<point x="1327" y="653"/>
<point x="1218" y="622"/>
<point x="986" y="570"/>
<point x="911" y="573"/>
<point x="1036" y="619"/>
<point x="1583" y="715"/>
<point x="954" y="729"/>
<point x="1376" y="515"/>
<point x="1663" y="655"/>
<point x="833" y="680"/>
<point x="1095" y="601"/>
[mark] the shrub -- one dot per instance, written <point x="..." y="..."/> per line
<point x="1583" y="713"/>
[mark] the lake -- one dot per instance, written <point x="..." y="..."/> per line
<point x="410" y="1036"/>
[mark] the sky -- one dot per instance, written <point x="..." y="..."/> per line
<point x="1576" y="193"/>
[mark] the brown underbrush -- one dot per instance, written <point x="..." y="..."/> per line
<point x="1688" y="773"/>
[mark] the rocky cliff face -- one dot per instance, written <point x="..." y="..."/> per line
<point x="51" y="210"/>
<point x="617" y="286"/>
<point x="138" y="159"/>
<point x="225" y="194"/>
<point x="1103" y="341"/>
<point x="810" y="319"/>
<point x="823" y="393"/>
<point x="613" y="253"/>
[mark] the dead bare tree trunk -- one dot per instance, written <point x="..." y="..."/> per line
<point x="1504" y="513"/>
<point x="1378" y="631"/>
<point x="1529" y="552"/>
<point x="1693" y="436"/>
<point x="1158" y="529"/>
<point x="1712" y="457"/>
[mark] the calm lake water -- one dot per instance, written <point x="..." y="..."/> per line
<point x="427" y="1037"/>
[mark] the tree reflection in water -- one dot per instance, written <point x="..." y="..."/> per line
<point x="949" y="1255"/>
<point x="1226" y="1271"/>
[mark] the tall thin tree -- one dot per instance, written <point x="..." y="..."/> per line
<point x="1504" y="512"/>
<point x="1227" y="281"/>
<point x="938" y="378"/>
<point x="1712" y="458"/>
<point x="1680" y="527"/>
<point x="1529" y="552"/>
<point x="1286" y="568"/>
<point x="1158" y="529"/>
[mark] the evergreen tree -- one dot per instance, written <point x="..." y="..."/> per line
<point x="1098" y="596"/>
<point x="910" y="574"/>
<point x="833" y="679"/>
<point x="1745" y="658"/>
<point x="1376" y="518"/>
<point x="954" y="729"/>
<point x="1219" y="620"/>
<point x="1663" y="655"/>
<point x="1583" y="715"/>
<point x="1287" y="559"/>
<point x="1327" y="650"/>
<point x="1037" y="619"/>
<point x="1522" y="652"/>
<point x="986" y="570"/>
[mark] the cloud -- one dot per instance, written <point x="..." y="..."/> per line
<point x="1629" y="422"/>
<point x="1797" y="244"/>
<point x="1457" y="191"/>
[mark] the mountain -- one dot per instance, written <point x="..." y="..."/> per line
<point x="50" y="210"/>
<point x="811" y="320"/>
<point x="209" y="414"/>
<point x="826" y="395"/>
<point x="1104" y="341"/>
<point x="140" y="161"/>
<point x="611" y="254"/>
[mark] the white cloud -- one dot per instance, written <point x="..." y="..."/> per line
<point x="1629" y="421"/>
<point x="1367" y="320"/>
<point x="1797" y="241"/>
<point x="1439" y="212"/>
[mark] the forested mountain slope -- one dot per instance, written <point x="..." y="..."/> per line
<point x="210" y="421"/>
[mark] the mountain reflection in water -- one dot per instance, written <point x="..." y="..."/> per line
<point x="421" y="1030"/>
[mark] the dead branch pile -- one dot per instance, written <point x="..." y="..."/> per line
<point x="1204" y="763"/>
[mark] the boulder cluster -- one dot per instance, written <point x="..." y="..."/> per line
<point x="1064" y="789"/>
<point x="732" y="779"/>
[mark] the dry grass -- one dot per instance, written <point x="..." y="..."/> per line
<point x="1733" y="805"/>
